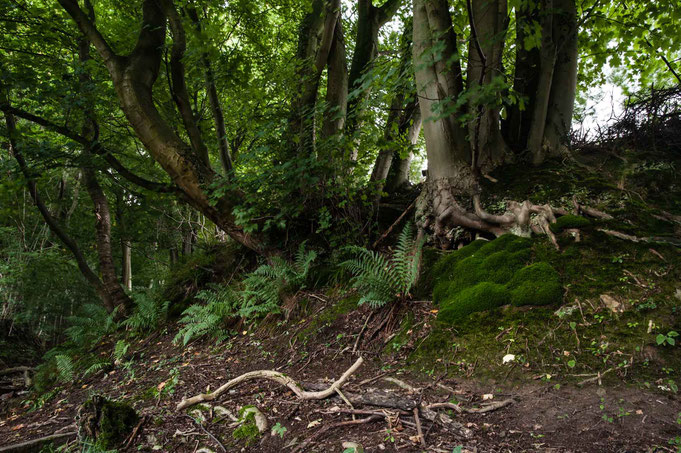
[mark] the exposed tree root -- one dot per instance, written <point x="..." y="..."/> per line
<point x="440" y="211"/>
<point x="276" y="377"/>
<point x="487" y="407"/>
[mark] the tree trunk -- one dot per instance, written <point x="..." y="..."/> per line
<point x="489" y="21"/>
<point x="126" y="252"/>
<point x="315" y="39"/>
<point x="107" y="269"/>
<point x="215" y="107"/>
<point x="53" y="225"/>
<point x="336" y="85"/>
<point x="370" y="19"/>
<point x="548" y="54"/>
<point x="398" y="176"/>
<point x="564" y="86"/>
<point x="516" y="126"/>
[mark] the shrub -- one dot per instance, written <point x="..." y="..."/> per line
<point x="149" y="313"/>
<point x="221" y="303"/>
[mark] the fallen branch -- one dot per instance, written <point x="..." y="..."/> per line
<point x="208" y="433"/>
<point x="419" y="431"/>
<point x="276" y="377"/>
<point x="37" y="444"/>
<point x="487" y="407"/>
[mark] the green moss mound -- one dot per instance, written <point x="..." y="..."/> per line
<point x="536" y="284"/>
<point x="487" y="274"/>
<point x="483" y="296"/>
<point x="567" y="222"/>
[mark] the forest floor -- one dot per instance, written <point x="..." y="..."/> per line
<point x="544" y="416"/>
<point x="591" y="376"/>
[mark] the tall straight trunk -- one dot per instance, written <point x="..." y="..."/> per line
<point x="516" y="125"/>
<point x="315" y="39"/>
<point x="547" y="64"/>
<point x="489" y="22"/>
<point x="564" y="86"/>
<point x="398" y="175"/>
<point x="370" y="19"/>
<point x="336" y="85"/>
<point x="126" y="254"/>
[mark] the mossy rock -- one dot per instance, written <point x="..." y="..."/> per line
<point x="107" y="422"/>
<point x="248" y="430"/>
<point x="569" y="221"/>
<point x="483" y="296"/>
<point x="536" y="284"/>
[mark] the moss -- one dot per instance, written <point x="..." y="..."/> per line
<point x="536" y="284"/>
<point x="483" y="296"/>
<point x="490" y="274"/>
<point x="107" y="422"/>
<point x="569" y="221"/>
<point x="248" y="430"/>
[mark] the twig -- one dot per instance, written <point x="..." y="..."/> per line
<point x="276" y="377"/>
<point x="135" y="431"/>
<point x="36" y="444"/>
<point x="419" y="431"/>
<point x="395" y="223"/>
<point x="488" y="407"/>
<point x="207" y="432"/>
<point x="361" y="332"/>
<point x="362" y="421"/>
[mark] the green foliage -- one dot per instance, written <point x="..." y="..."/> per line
<point x="116" y="421"/>
<point x="65" y="368"/>
<point x="265" y="287"/>
<point x="488" y="274"/>
<point x="148" y="315"/>
<point x="380" y="280"/>
<point x="668" y="339"/>
<point x="221" y="303"/>
<point x="569" y="221"/>
<point x="90" y="325"/>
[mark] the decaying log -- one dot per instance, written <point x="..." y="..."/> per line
<point x="276" y="377"/>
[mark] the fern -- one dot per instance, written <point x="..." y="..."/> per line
<point x="97" y="366"/>
<point x="264" y="287"/>
<point x="90" y="325"/>
<point x="149" y="314"/>
<point x="66" y="370"/>
<point x="381" y="280"/>
<point x="120" y="350"/>
<point x="221" y="302"/>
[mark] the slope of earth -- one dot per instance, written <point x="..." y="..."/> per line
<point x="598" y="373"/>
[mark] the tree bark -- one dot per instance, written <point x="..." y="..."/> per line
<point x="564" y="85"/>
<point x="337" y="85"/>
<point x="102" y="212"/>
<point x="53" y="225"/>
<point x="398" y="175"/>
<point x="215" y="106"/>
<point x="489" y="21"/>
<point x="516" y="126"/>
<point x="126" y="252"/>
